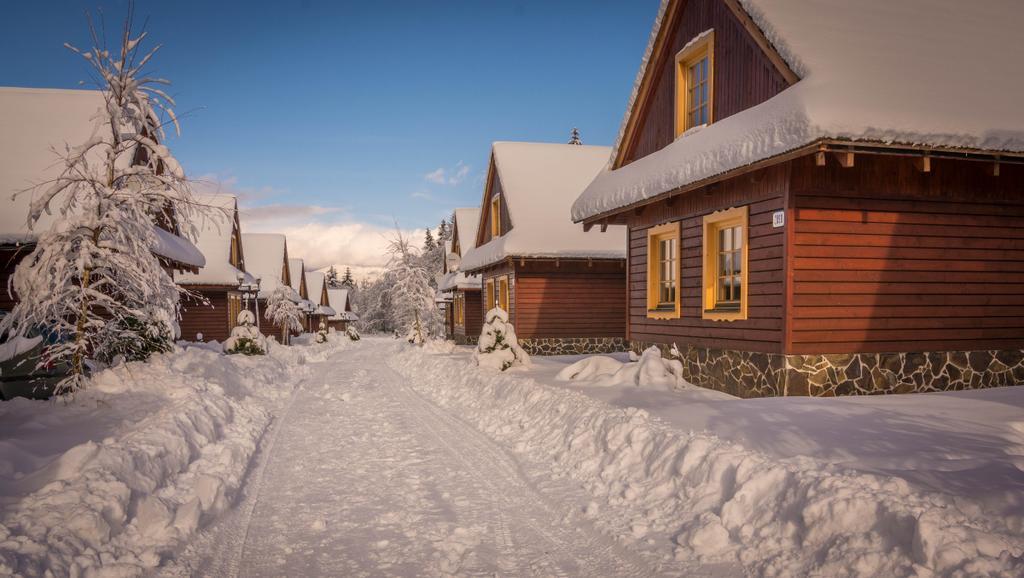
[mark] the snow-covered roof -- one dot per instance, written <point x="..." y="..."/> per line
<point x="935" y="73"/>
<point x="464" y="228"/>
<point x="315" y="285"/>
<point x="539" y="182"/>
<point x="297" y="268"/>
<point x="458" y="280"/>
<point x="325" y="310"/>
<point x="264" y="258"/>
<point x="34" y="122"/>
<point x="465" y="224"/>
<point x="216" y="230"/>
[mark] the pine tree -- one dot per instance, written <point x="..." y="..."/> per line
<point x="93" y="278"/>
<point x="332" y="278"/>
<point x="444" y="232"/>
<point x="347" y="280"/>
<point x="574" y="138"/>
<point x="428" y="243"/>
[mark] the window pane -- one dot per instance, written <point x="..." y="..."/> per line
<point x="724" y="240"/>
<point x="737" y="285"/>
<point x="723" y="289"/>
<point x="738" y="236"/>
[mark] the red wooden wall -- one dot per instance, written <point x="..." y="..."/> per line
<point x="570" y="300"/>
<point x="211" y="320"/>
<point x="474" y="315"/>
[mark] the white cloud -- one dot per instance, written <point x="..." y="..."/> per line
<point x="442" y="176"/>
<point x="422" y="195"/>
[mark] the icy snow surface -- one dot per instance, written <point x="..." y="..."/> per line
<point x="539" y="183"/>
<point x="916" y="72"/>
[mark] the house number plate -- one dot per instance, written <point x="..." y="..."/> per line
<point x="778" y="219"/>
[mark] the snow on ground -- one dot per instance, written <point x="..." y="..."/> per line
<point x="125" y="472"/>
<point x="757" y="497"/>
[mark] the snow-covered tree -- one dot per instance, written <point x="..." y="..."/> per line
<point x="574" y="138"/>
<point x="498" y="346"/>
<point x="93" y="279"/>
<point x="411" y="294"/>
<point x="444" y="232"/>
<point x="246" y="337"/>
<point x="283" y="311"/>
<point x="321" y="333"/>
<point x="347" y="280"/>
<point x="429" y="244"/>
<point x="331" y="278"/>
<point x="352" y="333"/>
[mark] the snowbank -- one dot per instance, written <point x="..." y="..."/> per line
<point x="707" y="499"/>
<point x="651" y="370"/>
<point x="111" y="481"/>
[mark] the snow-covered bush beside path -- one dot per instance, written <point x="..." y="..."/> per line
<point x="708" y="499"/>
<point x="132" y="466"/>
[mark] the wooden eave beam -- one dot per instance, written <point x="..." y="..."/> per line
<point x="923" y="163"/>
<point x="845" y="158"/>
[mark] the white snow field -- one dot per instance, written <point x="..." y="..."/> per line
<point x="379" y="458"/>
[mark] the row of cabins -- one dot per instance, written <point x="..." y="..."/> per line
<point x="805" y="199"/>
<point x="221" y="271"/>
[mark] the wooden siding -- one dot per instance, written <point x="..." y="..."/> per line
<point x="573" y="299"/>
<point x="763" y="192"/>
<point x="493" y="188"/>
<point x="474" y="315"/>
<point x="887" y="258"/>
<point x="743" y="75"/>
<point x="211" y="320"/>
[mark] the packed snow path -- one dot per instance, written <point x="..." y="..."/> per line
<point x="363" y="476"/>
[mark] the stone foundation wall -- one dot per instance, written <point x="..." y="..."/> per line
<point x="753" y="374"/>
<point x="466" y="339"/>
<point x="573" y="345"/>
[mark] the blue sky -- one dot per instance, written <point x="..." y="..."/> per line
<point x="358" y="113"/>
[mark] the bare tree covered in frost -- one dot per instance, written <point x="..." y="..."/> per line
<point x="92" y="278"/>
<point x="283" y="311"/>
<point x="411" y="294"/>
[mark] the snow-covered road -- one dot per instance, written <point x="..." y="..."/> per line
<point x="363" y="476"/>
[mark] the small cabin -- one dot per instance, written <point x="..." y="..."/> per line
<point x="562" y="287"/>
<point x="266" y="257"/>
<point x="462" y="291"/>
<point x="820" y="202"/>
<point x="34" y="123"/>
<point x="210" y="308"/>
<point x="297" y="267"/>
<point x="320" y="310"/>
<point x="340" y="300"/>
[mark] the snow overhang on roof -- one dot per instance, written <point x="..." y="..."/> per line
<point x="176" y="249"/>
<point x="539" y="183"/>
<point x="873" y="71"/>
<point x="325" y="310"/>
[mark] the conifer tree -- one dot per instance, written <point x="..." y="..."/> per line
<point x="332" y="278"/>
<point x="347" y="280"/>
<point x="574" y="138"/>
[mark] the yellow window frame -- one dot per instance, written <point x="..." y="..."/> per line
<point x="490" y="294"/>
<point x="503" y="293"/>
<point x="713" y="223"/>
<point x="496" y="216"/>
<point x="686" y="58"/>
<point x="655" y="236"/>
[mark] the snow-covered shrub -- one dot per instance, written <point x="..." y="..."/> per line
<point x="352" y="333"/>
<point x="283" y="311"/>
<point x="246" y="337"/>
<point x="439" y="346"/>
<point x="133" y="340"/>
<point x="498" y="347"/>
<point x="650" y="370"/>
<point x="321" y="334"/>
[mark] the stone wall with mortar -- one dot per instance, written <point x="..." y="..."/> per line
<point x="753" y="374"/>
<point x="573" y="345"/>
<point x="466" y="339"/>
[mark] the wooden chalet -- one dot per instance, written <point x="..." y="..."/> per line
<point x="316" y="283"/>
<point x="210" y="311"/>
<point x="465" y="313"/>
<point x="823" y="200"/>
<point x="298" y="271"/>
<point x="266" y="257"/>
<point x="34" y="122"/>
<point x="341" y="302"/>
<point x="562" y="287"/>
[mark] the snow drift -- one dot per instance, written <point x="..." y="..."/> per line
<point x="651" y="370"/>
<point x="715" y="501"/>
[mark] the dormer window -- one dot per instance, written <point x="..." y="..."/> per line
<point x="496" y="216"/>
<point x="695" y="66"/>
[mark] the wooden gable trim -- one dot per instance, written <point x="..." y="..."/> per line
<point x="485" y="202"/>
<point x="236" y="238"/>
<point x="659" y="54"/>
<point x="287" y="276"/>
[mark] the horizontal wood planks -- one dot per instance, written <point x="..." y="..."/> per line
<point x="211" y="320"/>
<point x="887" y="258"/>
<point x="743" y="74"/>
<point x="763" y="192"/>
<point x="473" y="315"/>
<point x="574" y="299"/>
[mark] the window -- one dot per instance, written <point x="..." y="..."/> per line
<point x="695" y="75"/>
<point x="725" y="265"/>
<point x="496" y="216"/>
<point x="460" y="309"/>
<point x="503" y="293"/>
<point x="663" y="247"/>
<point x="234" y="308"/>
<point x="489" y="304"/>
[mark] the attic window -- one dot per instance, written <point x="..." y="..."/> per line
<point x="695" y="75"/>
<point x="496" y="216"/>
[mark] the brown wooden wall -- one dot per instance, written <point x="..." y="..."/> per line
<point x="9" y="259"/>
<point x="887" y="258"/>
<point x="743" y="75"/>
<point x="211" y="320"/>
<point x="474" y="315"/>
<point x="764" y="192"/>
<point x="494" y="188"/>
<point x="569" y="300"/>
